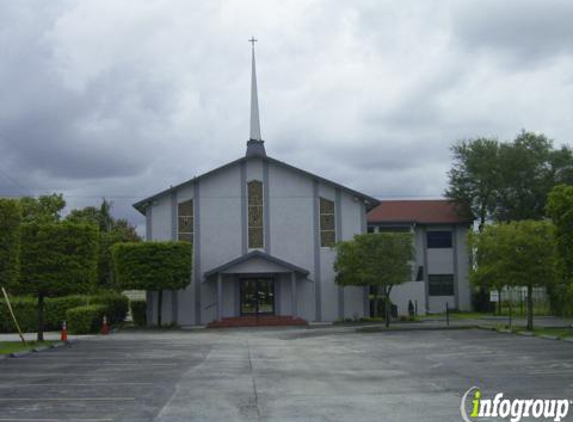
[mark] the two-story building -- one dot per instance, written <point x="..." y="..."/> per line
<point x="440" y="274"/>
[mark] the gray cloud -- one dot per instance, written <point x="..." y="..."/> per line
<point x="123" y="99"/>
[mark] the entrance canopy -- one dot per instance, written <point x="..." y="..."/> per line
<point x="256" y="262"/>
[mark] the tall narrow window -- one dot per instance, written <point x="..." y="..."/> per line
<point x="327" y="227"/>
<point x="185" y="221"/>
<point x="255" y="214"/>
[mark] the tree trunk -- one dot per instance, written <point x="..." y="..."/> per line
<point x="375" y="307"/>
<point x="159" y="306"/>
<point x="529" y="307"/>
<point x="40" y="317"/>
<point x="387" y="291"/>
<point x="387" y="309"/>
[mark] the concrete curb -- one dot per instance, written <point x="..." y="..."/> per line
<point x="404" y="329"/>
<point x="25" y="353"/>
<point x="525" y="333"/>
<point x="568" y="339"/>
<point x="548" y="337"/>
<point x="20" y="354"/>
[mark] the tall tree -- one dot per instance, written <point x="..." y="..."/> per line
<point x="10" y="219"/>
<point x="560" y="209"/>
<point x="381" y="260"/>
<point x="57" y="259"/>
<point x="474" y="179"/>
<point x="153" y="266"/>
<point x="527" y="177"/>
<point x="44" y="209"/>
<point x="520" y="253"/>
<point x="111" y="231"/>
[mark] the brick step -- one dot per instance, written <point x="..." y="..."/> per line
<point x="253" y="321"/>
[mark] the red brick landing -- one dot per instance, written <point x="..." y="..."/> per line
<point x="261" y="321"/>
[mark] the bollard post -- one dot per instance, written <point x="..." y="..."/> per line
<point x="447" y="314"/>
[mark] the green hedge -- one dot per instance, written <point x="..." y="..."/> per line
<point x="85" y="319"/>
<point x="25" y="308"/>
<point x="10" y="218"/>
<point x="139" y="312"/>
<point x="116" y="306"/>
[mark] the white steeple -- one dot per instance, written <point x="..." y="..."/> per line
<point x="255" y="145"/>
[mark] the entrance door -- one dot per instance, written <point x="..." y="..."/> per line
<point x="257" y="296"/>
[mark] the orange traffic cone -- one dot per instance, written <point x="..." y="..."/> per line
<point x="104" y="327"/>
<point x="64" y="332"/>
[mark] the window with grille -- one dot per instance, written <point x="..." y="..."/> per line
<point x="185" y="221"/>
<point x="327" y="224"/>
<point x="441" y="284"/>
<point x="255" y="214"/>
<point x="439" y="239"/>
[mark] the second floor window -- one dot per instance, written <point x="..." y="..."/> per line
<point x="327" y="224"/>
<point x="439" y="239"/>
<point x="185" y="221"/>
<point x="255" y="214"/>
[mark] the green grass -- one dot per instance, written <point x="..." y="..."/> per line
<point x="7" y="347"/>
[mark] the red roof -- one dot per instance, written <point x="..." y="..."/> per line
<point x="416" y="211"/>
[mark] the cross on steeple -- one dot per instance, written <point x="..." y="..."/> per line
<point x="253" y="41"/>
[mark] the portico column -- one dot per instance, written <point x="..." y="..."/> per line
<point x="219" y="297"/>
<point x="293" y="293"/>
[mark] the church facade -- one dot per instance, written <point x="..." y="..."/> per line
<point x="262" y="232"/>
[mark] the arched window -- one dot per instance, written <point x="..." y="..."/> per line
<point x="185" y="221"/>
<point x="255" y="214"/>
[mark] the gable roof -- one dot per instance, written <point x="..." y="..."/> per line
<point x="434" y="211"/>
<point x="368" y="200"/>
<point x="252" y="255"/>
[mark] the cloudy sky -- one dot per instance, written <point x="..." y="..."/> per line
<point x="123" y="98"/>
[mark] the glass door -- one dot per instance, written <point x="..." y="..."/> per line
<point x="257" y="296"/>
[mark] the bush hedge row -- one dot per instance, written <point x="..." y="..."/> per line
<point x="115" y="308"/>
<point x="85" y="319"/>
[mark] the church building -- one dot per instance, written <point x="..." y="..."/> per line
<point x="262" y="233"/>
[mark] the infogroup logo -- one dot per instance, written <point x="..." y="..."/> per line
<point x="515" y="409"/>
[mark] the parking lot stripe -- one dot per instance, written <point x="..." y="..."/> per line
<point x="36" y="399"/>
<point x="67" y="384"/>
<point x="37" y="363"/>
<point x="54" y="420"/>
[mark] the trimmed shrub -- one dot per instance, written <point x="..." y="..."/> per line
<point x="56" y="308"/>
<point x="57" y="260"/>
<point x="26" y="311"/>
<point x="55" y="312"/>
<point x="116" y="306"/>
<point x="10" y="218"/>
<point x="152" y="266"/>
<point x="139" y="312"/>
<point x="85" y="319"/>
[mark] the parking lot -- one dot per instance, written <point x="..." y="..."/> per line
<point x="331" y="374"/>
